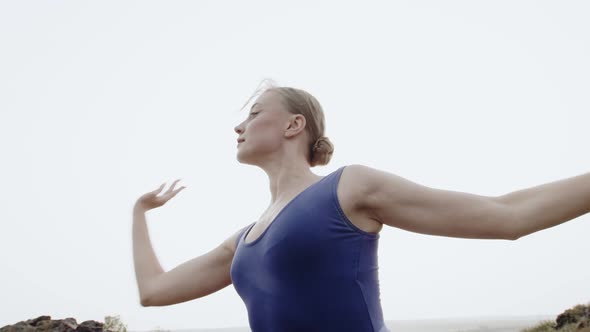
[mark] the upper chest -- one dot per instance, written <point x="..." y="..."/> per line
<point x="349" y="197"/>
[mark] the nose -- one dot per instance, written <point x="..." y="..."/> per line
<point x="238" y="129"/>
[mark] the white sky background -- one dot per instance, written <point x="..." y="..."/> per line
<point x="103" y="101"/>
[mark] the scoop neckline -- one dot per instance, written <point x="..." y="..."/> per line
<point x="248" y="244"/>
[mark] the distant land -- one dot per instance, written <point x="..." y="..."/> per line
<point x="472" y="324"/>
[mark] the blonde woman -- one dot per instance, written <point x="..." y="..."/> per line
<point x="310" y="262"/>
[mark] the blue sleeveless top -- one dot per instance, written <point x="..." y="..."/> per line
<point x="311" y="270"/>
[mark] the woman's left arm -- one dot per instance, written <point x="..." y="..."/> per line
<point x="401" y="203"/>
<point x="549" y="204"/>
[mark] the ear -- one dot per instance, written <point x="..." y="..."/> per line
<point x="295" y="125"/>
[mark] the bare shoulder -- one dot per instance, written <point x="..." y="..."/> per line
<point x="354" y="189"/>
<point x="370" y="180"/>
<point x="230" y="243"/>
<point x="377" y="188"/>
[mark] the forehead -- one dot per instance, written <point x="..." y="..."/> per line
<point x="268" y="99"/>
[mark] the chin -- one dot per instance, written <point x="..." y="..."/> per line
<point x="241" y="159"/>
<point x="245" y="161"/>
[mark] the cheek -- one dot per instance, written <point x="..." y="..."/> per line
<point x="262" y="127"/>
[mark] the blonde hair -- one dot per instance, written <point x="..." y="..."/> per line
<point x="298" y="101"/>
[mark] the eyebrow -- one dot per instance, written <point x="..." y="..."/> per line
<point x="251" y="108"/>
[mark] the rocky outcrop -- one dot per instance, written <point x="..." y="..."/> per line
<point x="46" y="324"/>
<point x="579" y="315"/>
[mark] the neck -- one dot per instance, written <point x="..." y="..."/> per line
<point x="288" y="179"/>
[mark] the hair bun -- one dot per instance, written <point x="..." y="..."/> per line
<point x="321" y="144"/>
<point x="322" y="151"/>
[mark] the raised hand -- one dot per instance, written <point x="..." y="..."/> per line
<point x="151" y="200"/>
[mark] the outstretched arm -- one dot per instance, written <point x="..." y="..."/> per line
<point x="549" y="204"/>
<point x="401" y="203"/>
<point x="147" y="266"/>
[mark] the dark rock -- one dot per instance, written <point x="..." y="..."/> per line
<point x="18" y="327"/>
<point x="71" y="322"/>
<point x="63" y="326"/>
<point x="36" y="321"/>
<point x="46" y="324"/>
<point x="90" y="326"/>
<point x="574" y="315"/>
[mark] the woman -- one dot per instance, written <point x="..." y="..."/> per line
<point x="310" y="262"/>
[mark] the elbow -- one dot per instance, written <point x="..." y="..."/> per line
<point x="145" y="302"/>
<point x="517" y="228"/>
<point x="512" y="236"/>
<point x="151" y="300"/>
<point x="510" y="225"/>
<point x="147" y="296"/>
<point x="510" y="232"/>
<point x="518" y="233"/>
<point x="503" y="233"/>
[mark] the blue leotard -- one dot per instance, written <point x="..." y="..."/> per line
<point x="311" y="270"/>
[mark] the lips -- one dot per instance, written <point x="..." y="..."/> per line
<point x="240" y="140"/>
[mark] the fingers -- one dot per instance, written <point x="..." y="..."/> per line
<point x="177" y="191"/>
<point x="171" y="189"/>
<point x="159" y="189"/>
<point x="171" y="192"/>
<point x="152" y="200"/>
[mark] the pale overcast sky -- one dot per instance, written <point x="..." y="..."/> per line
<point x="103" y="101"/>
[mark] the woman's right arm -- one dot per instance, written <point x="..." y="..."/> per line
<point x="193" y="279"/>
<point x="147" y="267"/>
